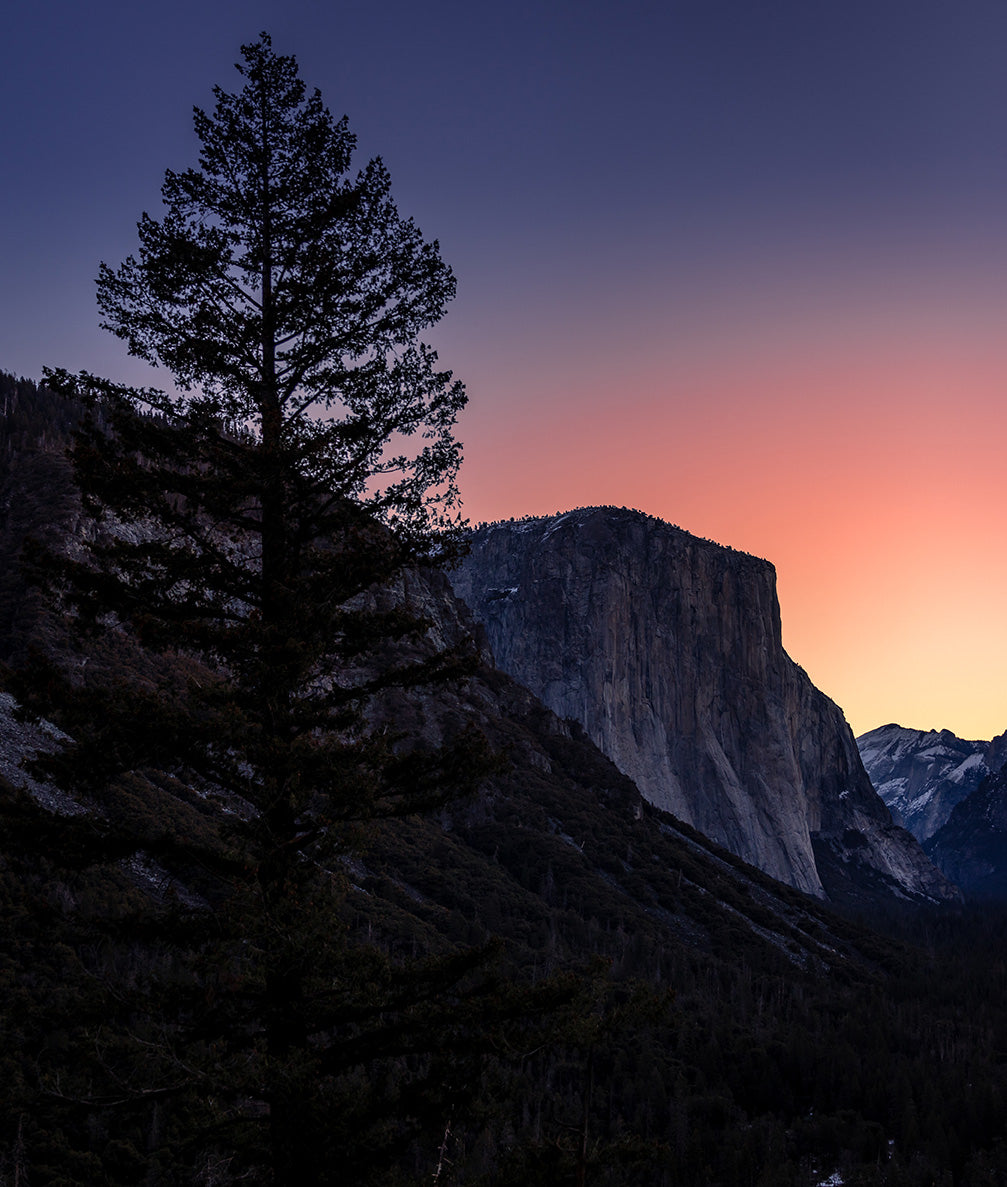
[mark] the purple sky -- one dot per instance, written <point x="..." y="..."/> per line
<point x="687" y="236"/>
<point x="552" y="147"/>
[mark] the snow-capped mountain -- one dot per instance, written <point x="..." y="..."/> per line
<point x="922" y="774"/>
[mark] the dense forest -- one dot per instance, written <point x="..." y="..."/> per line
<point x="694" y="1022"/>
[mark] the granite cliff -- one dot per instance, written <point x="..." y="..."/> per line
<point x="667" y="649"/>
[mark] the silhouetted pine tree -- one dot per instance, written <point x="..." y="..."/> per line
<point x="242" y="618"/>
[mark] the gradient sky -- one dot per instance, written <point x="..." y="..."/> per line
<point x="741" y="265"/>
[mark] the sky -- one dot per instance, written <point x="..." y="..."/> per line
<point x="741" y="265"/>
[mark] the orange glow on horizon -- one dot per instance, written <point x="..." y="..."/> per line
<point x="865" y="463"/>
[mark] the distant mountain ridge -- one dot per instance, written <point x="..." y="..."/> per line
<point x="923" y="774"/>
<point x="952" y="795"/>
<point x="668" y="650"/>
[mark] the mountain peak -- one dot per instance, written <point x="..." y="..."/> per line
<point x="604" y="515"/>
<point x="922" y="774"/>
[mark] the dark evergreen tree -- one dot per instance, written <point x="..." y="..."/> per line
<point x="241" y="608"/>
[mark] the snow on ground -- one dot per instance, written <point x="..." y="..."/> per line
<point x="958" y="775"/>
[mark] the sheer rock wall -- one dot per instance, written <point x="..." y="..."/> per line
<point x="668" y="650"/>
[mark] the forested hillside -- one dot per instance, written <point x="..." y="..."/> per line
<point x="37" y="498"/>
<point x="628" y="1004"/>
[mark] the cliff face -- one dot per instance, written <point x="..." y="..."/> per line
<point x="667" y="649"/>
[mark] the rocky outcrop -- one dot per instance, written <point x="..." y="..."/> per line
<point x="922" y="774"/>
<point x="668" y="650"/>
